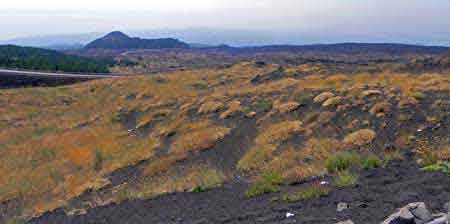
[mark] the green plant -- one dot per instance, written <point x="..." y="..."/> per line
<point x="303" y="98"/>
<point x="199" y="189"/>
<point x="391" y="156"/>
<point x="267" y="184"/>
<point x="200" y="85"/>
<point x="261" y="188"/>
<point x="48" y="154"/>
<point x="272" y="177"/>
<point x="371" y="162"/>
<point x="418" y="95"/>
<point x="342" y="161"/>
<point x="263" y="105"/>
<point x="429" y="158"/>
<point x="16" y="221"/>
<point x="98" y="160"/>
<point x="246" y="110"/>
<point x="445" y="168"/>
<point x="315" y="191"/>
<point x="345" y="179"/>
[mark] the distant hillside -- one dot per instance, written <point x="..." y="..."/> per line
<point x="118" y="40"/>
<point x="48" y="60"/>
<point x="388" y="48"/>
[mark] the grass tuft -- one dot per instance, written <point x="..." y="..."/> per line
<point x="315" y="191"/>
<point x="371" y="162"/>
<point x="345" y="179"/>
<point x="342" y="161"/>
<point x="267" y="184"/>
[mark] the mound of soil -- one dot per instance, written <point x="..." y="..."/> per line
<point x="376" y="196"/>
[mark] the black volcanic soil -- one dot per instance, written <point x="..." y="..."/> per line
<point x="377" y="195"/>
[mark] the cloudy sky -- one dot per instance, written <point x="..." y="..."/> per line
<point x="409" y="21"/>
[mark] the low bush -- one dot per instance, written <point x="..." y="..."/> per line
<point x="417" y="95"/>
<point x="98" y="160"/>
<point x="360" y="138"/>
<point x="261" y="188"/>
<point x="267" y="184"/>
<point x="199" y="189"/>
<point x="391" y="156"/>
<point x="371" y="162"/>
<point x="315" y="191"/>
<point x="444" y="168"/>
<point x="345" y="179"/>
<point x="429" y="158"/>
<point x="263" y="105"/>
<point x="342" y="161"/>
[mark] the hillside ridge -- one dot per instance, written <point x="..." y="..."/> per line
<point x="119" y="40"/>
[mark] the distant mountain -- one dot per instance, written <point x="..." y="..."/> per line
<point x="48" y="60"/>
<point x="65" y="41"/>
<point x="119" y="40"/>
<point x="348" y="48"/>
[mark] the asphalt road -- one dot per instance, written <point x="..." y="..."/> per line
<point x="55" y="74"/>
<point x="18" y="79"/>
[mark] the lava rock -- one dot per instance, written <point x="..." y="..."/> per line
<point x="413" y="213"/>
<point x="341" y="206"/>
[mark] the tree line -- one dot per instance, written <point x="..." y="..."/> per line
<point x="48" y="60"/>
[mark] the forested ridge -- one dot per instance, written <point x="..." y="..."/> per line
<point x="47" y="60"/>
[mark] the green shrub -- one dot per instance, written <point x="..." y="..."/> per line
<point x="445" y="168"/>
<point x="16" y="221"/>
<point x="201" y="85"/>
<point x="199" y="189"/>
<point x="263" y="105"/>
<point x="345" y="179"/>
<point x="48" y="154"/>
<point x="261" y="188"/>
<point x="429" y="158"/>
<point x="98" y="160"/>
<point x="391" y="156"/>
<point x="272" y="177"/>
<point x="303" y="98"/>
<point x="306" y="193"/>
<point x="342" y="161"/>
<point x="418" y="95"/>
<point x="246" y="110"/>
<point x="267" y="184"/>
<point x="371" y="162"/>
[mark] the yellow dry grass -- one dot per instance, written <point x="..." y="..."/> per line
<point x="52" y="139"/>
<point x="360" y="138"/>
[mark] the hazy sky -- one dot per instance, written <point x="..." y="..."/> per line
<point x="412" y="21"/>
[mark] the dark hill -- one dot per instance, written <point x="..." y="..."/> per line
<point x="119" y="40"/>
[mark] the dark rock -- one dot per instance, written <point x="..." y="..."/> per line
<point x="421" y="213"/>
<point x="413" y="213"/>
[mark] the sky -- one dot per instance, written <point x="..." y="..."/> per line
<point x="406" y="21"/>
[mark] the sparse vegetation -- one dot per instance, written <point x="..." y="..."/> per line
<point x="311" y="192"/>
<point x="190" y="131"/>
